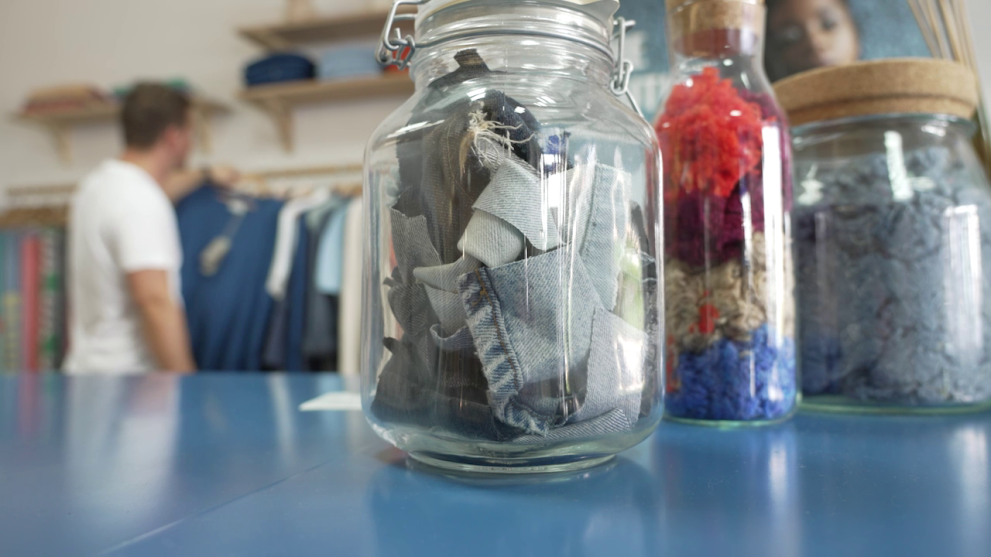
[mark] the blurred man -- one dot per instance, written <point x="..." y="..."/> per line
<point x="807" y="34"/>
<point x="126" y="312"/>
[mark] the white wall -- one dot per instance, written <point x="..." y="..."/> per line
<point x="980" y="18"/>
<point x="112" y="42"/>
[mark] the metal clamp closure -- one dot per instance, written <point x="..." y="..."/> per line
<point x="398" y="51"/>
<point x="620" y="84"/>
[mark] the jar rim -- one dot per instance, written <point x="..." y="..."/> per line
<point x="824" y="125"/>
<point x="588" y="23"/>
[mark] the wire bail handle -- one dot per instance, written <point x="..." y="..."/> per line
<point x="400" y="52"/>
<point x="620" y="84"/>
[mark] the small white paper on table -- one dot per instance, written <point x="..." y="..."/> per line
<point x="339" y="402"/>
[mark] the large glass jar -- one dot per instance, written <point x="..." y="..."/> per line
<point x="892" y="237"/>
<point x="729" y="297"/>
<point x="511" y="317"/>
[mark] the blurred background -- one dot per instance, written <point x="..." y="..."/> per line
<point x="111" y="43"/>
<point x="285" y="91"/>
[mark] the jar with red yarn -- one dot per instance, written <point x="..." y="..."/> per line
<point x="729" y="292"/>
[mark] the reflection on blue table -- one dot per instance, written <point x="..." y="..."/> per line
<point x="228" y="465"/>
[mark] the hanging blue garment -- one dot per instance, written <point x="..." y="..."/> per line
<point x="296" y="298"/>
<point x="283" y="345"/>
<point x="228" y="309"/>
<point x="322" y="310"/>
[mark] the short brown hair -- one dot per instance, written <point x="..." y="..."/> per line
<point x="149" y="109"/>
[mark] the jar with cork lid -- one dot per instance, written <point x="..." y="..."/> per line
<point x="729" y="296"/>
<point x="893" y="237"/>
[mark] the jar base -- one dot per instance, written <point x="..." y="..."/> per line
<point x="730" y="424"/>
<point x="499" y="466"/>
<point x="838" y="404"/>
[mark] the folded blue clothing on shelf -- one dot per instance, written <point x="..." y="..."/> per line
<point x="277" y="68"/>
<point x="354" y="60"/>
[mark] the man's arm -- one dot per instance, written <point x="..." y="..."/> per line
<point x="163" y="319"/>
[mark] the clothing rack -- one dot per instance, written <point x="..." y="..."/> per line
<point x="342" y="179"/>
<point x="32" y="259"/>
<point x="46" y="205"/>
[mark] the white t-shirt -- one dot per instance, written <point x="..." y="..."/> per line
<point x="121" y="222"/>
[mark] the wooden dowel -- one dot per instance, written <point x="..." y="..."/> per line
<point x="917" y="11"/>
<point x="934" y="24"/>
<point x="950" y="25"/>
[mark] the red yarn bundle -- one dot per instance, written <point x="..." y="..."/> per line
<point x="712" y="142"/>
<point x="710" y="135"/>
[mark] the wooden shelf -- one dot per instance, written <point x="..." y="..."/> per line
<point x="59" y="122"/>
<point x="279" y="99"/>
<point x="281" y="36"/>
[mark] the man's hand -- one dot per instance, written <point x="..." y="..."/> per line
<point x="163" y="319"/>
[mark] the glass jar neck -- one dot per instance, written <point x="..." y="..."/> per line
<point x="512" y="54"/>
<point x="717" y="30"/>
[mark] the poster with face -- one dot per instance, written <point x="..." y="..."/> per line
<point x="800" y="35"/>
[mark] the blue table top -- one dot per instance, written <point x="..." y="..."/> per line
<point x="228" y="465"/>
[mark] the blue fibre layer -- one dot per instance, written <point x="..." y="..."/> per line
<point x="736" y="381"/>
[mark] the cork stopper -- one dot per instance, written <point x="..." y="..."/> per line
<point x="892" y="86"/>
<point x="688" y="17"/>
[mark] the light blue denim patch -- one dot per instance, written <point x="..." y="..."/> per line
<point x="460" y="341"/>
<point x="491" y="240"/>
<point x="445" y="277"/>
<point x="412" y="244"/>
<point x="596" y="222"/>
<point x="615" y="370"/>
<point x="610" y="423"/>
<point x="448" y="307"/>
<point x="515" y="196"/>
<point x="532" y="323"/>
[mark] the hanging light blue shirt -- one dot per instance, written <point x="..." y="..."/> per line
<point x="330" y="254"/>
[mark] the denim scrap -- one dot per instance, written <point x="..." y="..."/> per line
<point x="610" y="423"/>
<point x="449" y="394"/>
<point x="445" y="277"/>
<point x="532" y="322"/>
<point x="597" y="223"/>
<point x="491" y="240"/>
<point x="460" y="341"/>
<point x="655" y="335"/>
<point x="515" y="196"/>
<point x="519" y="123"/>
<point x="615" y="369"/>
<point x="448" y="308"/>
<point x="412" y="244"/>
<point x="452" y="181"/>
<point x="411" y="306"/>
<point x="453" y="175"/>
